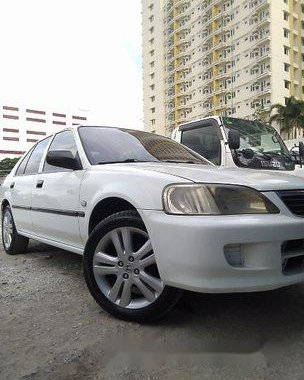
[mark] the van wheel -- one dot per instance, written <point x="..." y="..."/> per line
<point x="121" y="271"/>
<point x="13" y="243"/>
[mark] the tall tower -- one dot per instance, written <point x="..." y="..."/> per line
<point x="222" y="57"/>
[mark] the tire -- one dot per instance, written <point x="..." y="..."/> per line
<point x="13" y="243"/>
<point x="118" y="260"/>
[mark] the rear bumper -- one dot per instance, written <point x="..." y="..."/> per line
<point x="192" y="251"/>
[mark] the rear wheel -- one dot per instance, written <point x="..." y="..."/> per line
<point x="13" y="243"/>
<point x="121" y="271"/>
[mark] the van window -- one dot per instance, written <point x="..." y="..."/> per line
<point x="205" y="141"/>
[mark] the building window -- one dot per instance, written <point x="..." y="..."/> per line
<point x="286" y="16"/>
<point x="10" y="138"/>
<point x="286" y="84"/>
<point x="8" y="108"/>
<point x="36" y="120"/>
<point x="152" y="121"/>
<point x="35" y="112"/>
<point x="286" y="67"/>
<point x="59" y="114"/>
<point x="286" y="50"/>
<point x="153" y="110"/>
<point x="12" y="130"/>
<point x="59" y="122"/>
<point x="10" y="117"/>
<point x="36" y="133"/>
<point x="286" y="33"/>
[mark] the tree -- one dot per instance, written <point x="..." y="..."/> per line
<point x="289" y="116"/>
<point x="7" y="165"/>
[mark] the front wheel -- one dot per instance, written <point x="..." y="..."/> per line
<point x="13" y="243"/>
<point x="121" y="271"/>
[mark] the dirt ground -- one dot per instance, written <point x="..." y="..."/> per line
<point x="51" y="328"/>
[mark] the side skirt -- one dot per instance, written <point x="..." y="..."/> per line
<point x="54" y="243"/>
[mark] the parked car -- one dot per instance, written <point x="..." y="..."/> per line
<point x="152" y="218"/>
<point x="234" y="142"/>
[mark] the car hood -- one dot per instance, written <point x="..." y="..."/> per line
<point x="259" y="179"/>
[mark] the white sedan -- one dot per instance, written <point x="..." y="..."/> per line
<point x="152" y="218"/>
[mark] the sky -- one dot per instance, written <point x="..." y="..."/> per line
<point x="74" y="54"/>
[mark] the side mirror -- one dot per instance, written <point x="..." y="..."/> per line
<point x="62" y="159"/>
<point x="301" y="152"/>
<point x="295" y="157"/>
<point x="301" y="149"/>
<point x="234" y="139"/>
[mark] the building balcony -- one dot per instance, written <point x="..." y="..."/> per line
<point x="262" y="40"/>
<point x="222" y="75"/>
<point x="263" y="57"/>
<point x="264" y="91"/>
<point x="263" y="75"/>
<point x="222" y="91"/>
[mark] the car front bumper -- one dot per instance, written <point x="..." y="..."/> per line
<point x="192" y="252"/>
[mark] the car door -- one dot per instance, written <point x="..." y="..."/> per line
<point x="21" y="186"/>
<point x="55" y="202"/>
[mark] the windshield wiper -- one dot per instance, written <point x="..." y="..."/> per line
<point x="182" y="161"/>
<point x="279" y="154"/>
<point x="122" y="161"/>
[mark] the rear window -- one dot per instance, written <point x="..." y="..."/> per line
<point x="36" y="156"/>
<point x="22" y="165"/>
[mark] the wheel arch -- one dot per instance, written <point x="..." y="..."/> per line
<point x="106" y="207"/>
<point x="4" y="203"/>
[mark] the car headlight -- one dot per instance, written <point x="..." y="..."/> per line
<point x="215" y="199"/>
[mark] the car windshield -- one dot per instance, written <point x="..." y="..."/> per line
<point x="260" y="145"/>
<point x="104" y="145"/>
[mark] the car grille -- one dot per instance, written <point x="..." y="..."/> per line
<point x="294" y="200"/>
<point x="293" y="256"/>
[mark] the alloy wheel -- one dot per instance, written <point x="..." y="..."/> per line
<point x="7" y="227"/>
<point x="125" y="270"/>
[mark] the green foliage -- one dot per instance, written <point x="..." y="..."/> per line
<point x="289" y="116"/>
<point x="7" y="165"/>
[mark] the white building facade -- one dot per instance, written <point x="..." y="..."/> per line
<point x="21" y="127"/>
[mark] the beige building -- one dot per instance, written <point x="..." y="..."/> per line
<point x="219" y="57"/>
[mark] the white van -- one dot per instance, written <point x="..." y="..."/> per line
<point x="234" y="142"/>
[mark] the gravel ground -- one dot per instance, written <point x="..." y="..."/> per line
<point x="50" y="328"/>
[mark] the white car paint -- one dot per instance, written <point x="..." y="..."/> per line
<point x="189" y="249"/>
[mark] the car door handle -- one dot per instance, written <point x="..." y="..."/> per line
<point x="39" y="183"/>
<point x="12" y="185"/>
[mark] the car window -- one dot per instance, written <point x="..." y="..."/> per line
<point x="111" y="145"/>
<point x="62" y="141"/>
<point x="23" y="163"/>
<point x="36" y="156"/>
<point x="205" y="141"/>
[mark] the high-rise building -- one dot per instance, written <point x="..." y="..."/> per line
<point x="21" y="127"/>
<point x="219" y="57"/>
